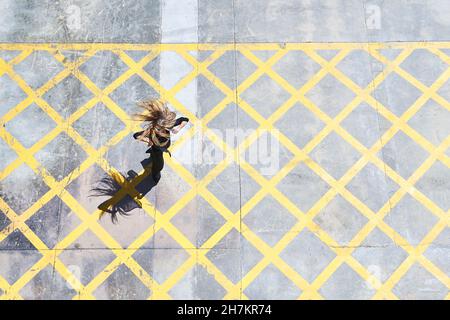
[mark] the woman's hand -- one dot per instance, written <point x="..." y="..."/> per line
<point x="145" y="139"/>
<point x="177" y="129"/>
<point x="142" y="137"/>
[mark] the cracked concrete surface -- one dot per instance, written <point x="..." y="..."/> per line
<point x="54" y="240"/>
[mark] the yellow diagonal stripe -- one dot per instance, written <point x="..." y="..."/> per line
<point x="199" y="187"/>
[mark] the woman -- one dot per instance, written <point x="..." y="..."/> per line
<point x="160" y="122"/>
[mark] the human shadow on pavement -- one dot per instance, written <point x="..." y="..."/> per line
<point x="124" y="190"/>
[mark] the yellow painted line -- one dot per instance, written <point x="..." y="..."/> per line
<point x="199" y="187"/>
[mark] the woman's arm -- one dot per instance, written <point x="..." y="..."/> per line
<point x="142" y="136"/>
<point x="181" y="122"/>
<point x="146" y="140"/>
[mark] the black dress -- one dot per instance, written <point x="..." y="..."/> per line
<point x="156" y="152"/>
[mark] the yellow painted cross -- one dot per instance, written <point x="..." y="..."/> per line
<point x="271" y="255"/>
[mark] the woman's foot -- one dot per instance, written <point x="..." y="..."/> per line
<point x="132" y="174"/>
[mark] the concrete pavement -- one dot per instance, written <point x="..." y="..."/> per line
<point x="316" y="164"/>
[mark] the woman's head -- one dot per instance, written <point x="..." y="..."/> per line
<point x="159" y="119"/>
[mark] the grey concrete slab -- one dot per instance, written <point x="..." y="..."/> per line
<point x="122" y="284"/>
<point x="396" y="94"/>
<point x="419" y="284"/>
<point x="234" y="255"/>
<point x="4" y="221"/>
<point x="53" y="222"/>
<point x="173" y="67"/>
<point x="190" y="155"/>
<point x="372" y="187"/>
<point x="54" y="156"/>
<point x="103" y="68"/>
<point x="16" y="263"/>
<point x="296" y="67"/>
<point x="412" y="220"/>
<point x="330" y="95"/>
<point x="424" y="66"/>
<point x="303" y="178"/>
<point x="30" y="126"/>
<point x="346" y="284"/>
<point x="233" y="125"/>
<point x="81" y="21"/>
<point x="216" y="21"/>
<point x="341" y="220"/>
<point x="431" y="121"/>
<point x="80" y="188"/>
<point x="208" y="96"/>
<point x="234" y="187"/>
<point x="88" y="263"/>
<point x="33" y="187"/>
<point x="219" y="187"/>
<point x="435" y="184"/>
<point x="360" y="67"/>
<point x="362" y="117"/>
<point x="265" y="95"/>
<point x="236" y="197"/>
<point x="10" y="98"/>
<point x="160" y="264"/>
<point x="128" y="228"/>
<point x="198" y="221"/>
<point x="335" y="155"/>
<point x="267" y="155"/>
<point x="197" y="284"/>
<point x="444" y="91"/>
<point x="179" y="21"/>
<point x="270" y="220"/>
<point x="126" y="156"/>
<point x="308" y="255"/>
<point x="7" y="155"/>
<point x="17" y="255"/>
<point x="282" y="287"/>
<point x="8" y="55"/>
<point x="170" y="189"/>
<point x="232" y="68"/>
<point x="438" y="251"/>
<point x="336" y="21"/>
<point x="380" y="255"/>
<point x="48" y="285"/>
<point x="135" y="89"/>
<point x="68" y="96"/>
<point x="397" y="154"/>
<point x="224" y="21"/>
<point x="229" y="262"/>
<point x="300" y="125"/>
<point x="405" y="20"/>
<point x="300" y="21"/>
<point x="38" y="68"/>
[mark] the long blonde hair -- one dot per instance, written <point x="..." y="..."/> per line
<point x="159" y="120"/>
